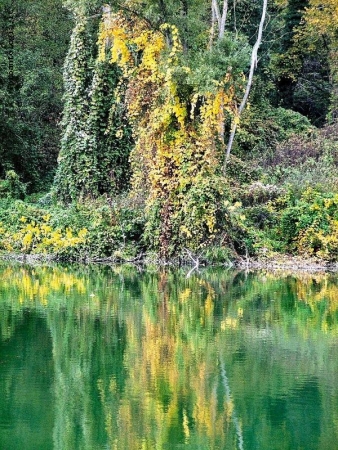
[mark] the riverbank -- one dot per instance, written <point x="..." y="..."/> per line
<point x="277" y="262"/>
<point x="254" y="231"/>
<point x="288" y="262"/>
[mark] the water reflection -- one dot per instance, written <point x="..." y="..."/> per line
<point x="101" y="357"/>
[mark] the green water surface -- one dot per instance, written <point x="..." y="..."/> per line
<point x="106" y="357"/>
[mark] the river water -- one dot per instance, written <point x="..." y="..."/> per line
<point x="99" y="357"/>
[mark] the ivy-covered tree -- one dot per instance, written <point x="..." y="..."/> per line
<point x="77" y="168"/>
<point x="96" y="142"/>
<point x="109" y="133"/>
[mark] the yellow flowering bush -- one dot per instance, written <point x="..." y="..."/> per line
<point x="310" y="224"/>
<point x="314" y="241"/>
<point x="39" y="237"/>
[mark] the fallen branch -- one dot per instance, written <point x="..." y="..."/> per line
<point x="195" y="261"/>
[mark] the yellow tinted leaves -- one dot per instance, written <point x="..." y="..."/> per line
<point x="185" y="231"/>
<point x="322" y="16"/>
<point x="185" y="294"/>
<point x="41" y="238"/>
<point x="176" y="148"/>
<point x="119" y="51"/>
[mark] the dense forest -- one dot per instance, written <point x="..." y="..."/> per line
<point x="154" y="130"/>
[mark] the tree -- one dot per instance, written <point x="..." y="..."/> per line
<point x="253" y="65"/>
<point x="34" y="40"/>
<point x="301" y="66"/>
<point x="321" y="19"/>
<point x="76" y="169"/>
<point x="177" y="113"/>
<point x="96" y="140"/>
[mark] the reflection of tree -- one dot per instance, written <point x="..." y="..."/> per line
<point x="85" y="346"/>
<point x="144" y="360"/>
<point x="26" y="369"/>
<point x="9" y="319"/>
<point x="174" y="395"/>
<point x="72" y="336"/>
<point x="228" y="397"/>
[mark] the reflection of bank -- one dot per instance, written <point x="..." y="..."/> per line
<point x="219" y="360"/>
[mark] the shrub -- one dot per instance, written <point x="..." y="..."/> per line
<point x="263" y="128"/>
<point x="306" y="161"/>
<point x="309" y="224"/>
<point x="87" y="229"/>
<point x="11" y="186"/>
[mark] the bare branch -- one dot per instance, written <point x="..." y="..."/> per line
<point x="221" y="19"/>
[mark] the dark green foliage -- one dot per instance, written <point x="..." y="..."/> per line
<point x="33" y="42"/>
<point x="263" y="128"/>
<point x="292" y="18"/>
<point x="11" y="186"/>
<point x="301" y="70"/>
<point x="230" y="55"/>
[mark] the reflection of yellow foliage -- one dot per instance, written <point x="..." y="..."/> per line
<point x="319" y="291"/>
<point x="313" y="294"/>
<point x="174" y="370"/>
<point x="40" y="285"/>
<point x="167" y="364"/>
<point x="229" y="322"/>
<point x="209" y="305"/>
<point x="185" y="294"/>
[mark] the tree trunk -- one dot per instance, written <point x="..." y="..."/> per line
<point x="221" y="19"/>
<point x="253" y="66"/>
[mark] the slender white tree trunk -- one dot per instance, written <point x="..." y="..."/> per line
<point x="221" y="19"/>
<point x="212" y="30"/>
<point x="253" y="66"/>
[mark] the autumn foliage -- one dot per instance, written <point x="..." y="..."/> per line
<point x="177" y="131"/>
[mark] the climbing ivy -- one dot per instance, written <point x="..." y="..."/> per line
<point x="178" y="130"/>
<point x="108" y="130"/>
<point x="77" y="168"/>
<point x="96" y="139"/>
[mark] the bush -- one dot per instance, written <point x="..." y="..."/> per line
<point x="11" y="186"/>
<point x="263" y="128"/>
<point x="203" y="214"/>
<point x="311" y="161"/>
<point x="309" y="224"/>
<point x="88" y="229"/>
